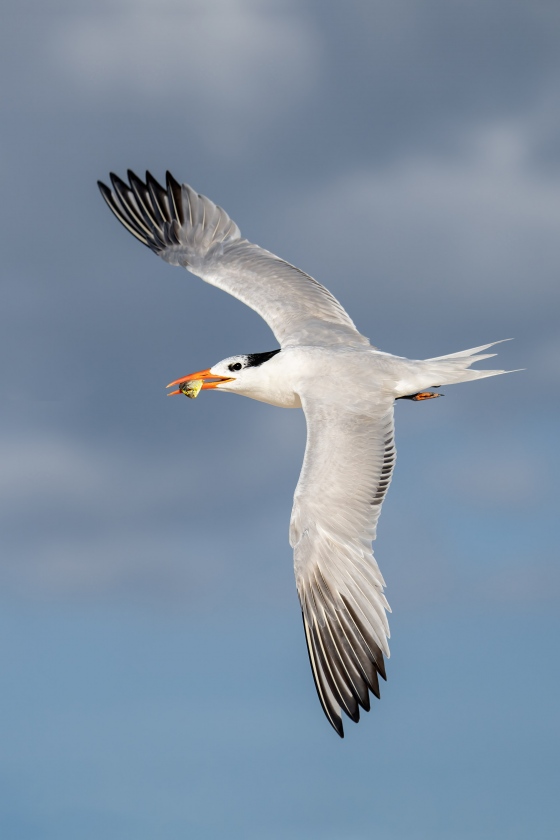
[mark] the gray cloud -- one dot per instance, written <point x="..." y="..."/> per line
<point x="401" y="153"/>
<point x="241" y="66"/>
<point x="478" y="224"/>
<point x="155" y="680"/>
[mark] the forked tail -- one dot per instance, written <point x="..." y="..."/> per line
<point x="455" y="367"/>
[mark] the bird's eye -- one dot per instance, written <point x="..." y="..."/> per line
<point x="236" y="366"/>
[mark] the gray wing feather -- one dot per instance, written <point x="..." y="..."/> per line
<point x="346" y="471"/>
<point x="189" y="230"/>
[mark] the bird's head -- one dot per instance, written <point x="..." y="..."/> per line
<point x="240" y="374"/>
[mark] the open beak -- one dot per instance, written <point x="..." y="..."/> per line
<point x="209" y="380"/>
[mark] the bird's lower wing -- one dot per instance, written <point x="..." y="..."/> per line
<point x="347" y="468"/>
<point x="189" y="230"/>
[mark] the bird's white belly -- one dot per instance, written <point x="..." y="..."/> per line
<point x="281" y="397"/>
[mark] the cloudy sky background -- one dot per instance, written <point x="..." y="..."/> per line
<point x="153" y="671"/>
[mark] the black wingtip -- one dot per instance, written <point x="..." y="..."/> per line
<point x="122" y="213"/>
<point x="169" y="179"/>
<point x="117" y="182"/>
<point x="336" y="723"/>
<point x="175" y="198"/>
<point x="151" y="180"/>
<point x="380" y="665"/>
<point x="132" y="176"/>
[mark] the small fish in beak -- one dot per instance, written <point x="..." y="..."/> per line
<point x="192" y="388"/>
<point x="202" y="380"/>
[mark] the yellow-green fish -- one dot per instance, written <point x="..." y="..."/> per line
<point x="191" y="389"/>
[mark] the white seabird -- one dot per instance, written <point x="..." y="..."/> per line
<point x="347" y="390"/>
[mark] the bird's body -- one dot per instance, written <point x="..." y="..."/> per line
<point x="347" y="390"/>
<point x="360" y="376"/>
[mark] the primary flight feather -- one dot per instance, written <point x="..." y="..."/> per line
<point x="350" y="451"/>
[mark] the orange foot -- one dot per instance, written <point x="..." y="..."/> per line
<point x="423" y="395"/>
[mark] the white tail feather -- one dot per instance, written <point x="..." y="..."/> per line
<point x="447" y="370"/>
<point x="455" y="367"/>
<point x="472" y="352"/>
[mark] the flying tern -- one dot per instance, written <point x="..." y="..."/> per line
<point x="346" y="388"/>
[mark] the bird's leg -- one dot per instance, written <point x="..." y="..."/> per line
<point x="422" y="395"/>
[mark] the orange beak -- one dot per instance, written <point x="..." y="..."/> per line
<point x="213" y="380"/>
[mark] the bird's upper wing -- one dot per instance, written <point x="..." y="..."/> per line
<point x="348" y="464"/>
<point x="188" y="229"/>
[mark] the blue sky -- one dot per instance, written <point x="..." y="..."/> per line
<point x="153" y="671"/>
